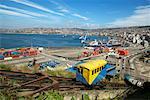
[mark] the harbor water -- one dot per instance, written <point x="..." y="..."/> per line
<point x="13" y="40"/>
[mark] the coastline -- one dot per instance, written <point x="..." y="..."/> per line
<point x="28" y="33"/>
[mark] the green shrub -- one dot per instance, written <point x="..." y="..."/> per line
<point x="7" y="95"/>
<point x="86" y="97"/>
<point x="73" y="98"/>
<point x="50" y="95"/>
<point x="5" y="67"/>
<point x="60" y="73"/>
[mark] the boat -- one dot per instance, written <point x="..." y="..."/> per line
<point x="64" y="35"/>
<point x="83" y="37"/>
<point x="94" y="43"/>
<point x="113" y="42"/>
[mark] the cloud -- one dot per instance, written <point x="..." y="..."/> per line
<point x="82" y="17"/>
<point x="90" y="26"/>
<point x="31" y="4"/>
<point x="54" y="2"/>
<point x="142" y="7"/>
<point x="140" y="17"/>
<point x="14" y="13"/>
<point x="61" y="7"/>
<point x="64" y="10"/>
<point x="22" y="11"/>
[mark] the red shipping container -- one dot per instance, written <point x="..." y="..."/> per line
<point x="15" y="56"/>
<point x="123" y="52"/>
<point x="106" y="50"/>
<point x="31" y="53"/>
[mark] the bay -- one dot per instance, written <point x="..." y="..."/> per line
<point x="15" y="40"/>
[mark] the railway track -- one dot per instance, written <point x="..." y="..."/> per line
<point x="131" y="68"/>
<point x="35" y="83"/>
<point x="123" y="95"/>
<point x="129" y="64"/>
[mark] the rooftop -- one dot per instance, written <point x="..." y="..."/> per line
<point x="93" y="64"/>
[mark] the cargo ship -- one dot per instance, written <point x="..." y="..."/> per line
<point x="113" y="42"/>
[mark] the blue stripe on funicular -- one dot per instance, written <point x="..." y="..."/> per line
<point x="79" y="77"/>
<point x="109" y="66"/>
<point x="71" y="69"/>
<point x="112" y="72"/>
<point x="101" y="76"/>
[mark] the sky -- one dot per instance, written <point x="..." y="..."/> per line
<point x="74" y="13"/>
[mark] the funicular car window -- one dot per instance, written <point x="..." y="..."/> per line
<point x="81" y="70"/>
<point x="92" y="72"/>
<point x="97" y="69"/>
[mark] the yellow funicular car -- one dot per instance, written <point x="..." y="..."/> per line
<point x="93" y="71"/>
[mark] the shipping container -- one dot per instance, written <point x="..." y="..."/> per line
<point x="15" y="53"/>
<point x="1" y="57"/>
<point x="123" y="52"/>
<point x="106" y="50"/>
<point x="15" y="56"/>
<point x="8" y="58"/>
<point x="7" y="53"/>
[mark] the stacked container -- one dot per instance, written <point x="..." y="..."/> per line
<point x="123" y="52"/>
<point x="1" y="57"/>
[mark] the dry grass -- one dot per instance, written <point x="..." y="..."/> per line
<point x="61" y="73"/>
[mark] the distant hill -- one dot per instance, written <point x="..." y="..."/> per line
<point x="69" y="30"/>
